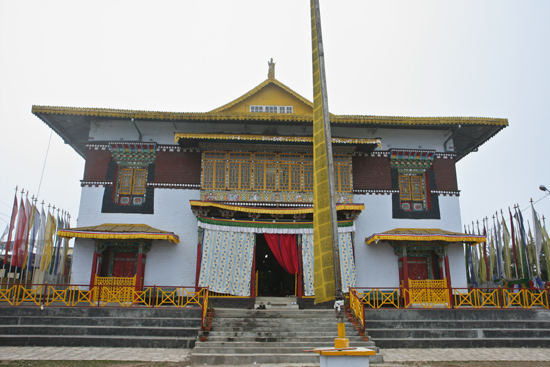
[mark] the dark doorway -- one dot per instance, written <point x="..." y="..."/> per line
<point x="272" y="279"/>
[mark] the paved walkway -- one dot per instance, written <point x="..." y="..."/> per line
<point x="180" y="355"/>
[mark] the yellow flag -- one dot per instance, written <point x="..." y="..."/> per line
<point x="48" y="244"/>
<point x="323" y="220"/>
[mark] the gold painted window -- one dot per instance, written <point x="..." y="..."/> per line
<point x="132" y="181"/>
<point x="239" y="171"/>
<point x="342" y="173"/>
<point x="308" y="172"/>
<point x="290" y="172"/>
<point x="268" y="171"/>
<point x="213" y="171"/>
<point x="411" y="187"/>
<point x="265" y="171"/>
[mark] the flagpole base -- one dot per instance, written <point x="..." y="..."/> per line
<point x="352" y="357"/>
<point x="341" y="343"/>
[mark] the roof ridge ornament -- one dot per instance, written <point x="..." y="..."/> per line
<point x="271" y="71"/>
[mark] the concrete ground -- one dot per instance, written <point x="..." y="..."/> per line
<point x="182" y="355"/>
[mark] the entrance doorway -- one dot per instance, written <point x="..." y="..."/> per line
<point x="271" y="278"/>
<point x="418" y="268"/>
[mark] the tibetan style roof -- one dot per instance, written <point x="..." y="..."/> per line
<point x="424" y="235"/>
<point x="119" y="232"/>
<point x="73" y="123"/>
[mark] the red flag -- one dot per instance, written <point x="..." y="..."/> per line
<point x="12" y="226"/>
<point x="18" y="251"/>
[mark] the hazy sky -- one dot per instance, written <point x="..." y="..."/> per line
<point x="394" y="58"/>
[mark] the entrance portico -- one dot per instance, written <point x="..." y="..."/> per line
<point x="422" y="256"/>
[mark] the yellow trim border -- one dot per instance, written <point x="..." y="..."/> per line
<point x="213" y="116"/>
<point x="473" y="240"/>
<point x="118" y="236"/>
<point x="246" y="209"/>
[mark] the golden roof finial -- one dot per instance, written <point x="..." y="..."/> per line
<point x="271" y="72"/>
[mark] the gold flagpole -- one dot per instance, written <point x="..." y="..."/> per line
<point x="327" y="276"/>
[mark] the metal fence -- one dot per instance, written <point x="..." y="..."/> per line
<point x="419" y="297"/>
<point x="46" y="295"/>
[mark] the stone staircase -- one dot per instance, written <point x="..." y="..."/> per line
<point x="448" y="328"/>
<point x="100" y="327"/>
<point x="272" y="336"/>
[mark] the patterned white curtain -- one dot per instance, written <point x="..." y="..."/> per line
<point x="347" y="262"/>
<point x="226" y="264"/>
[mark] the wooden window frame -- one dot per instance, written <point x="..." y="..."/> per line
<point x="286" y="172"/>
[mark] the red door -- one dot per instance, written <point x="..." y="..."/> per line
<point x="418" y="268"/>
<point x="124" y="264"/>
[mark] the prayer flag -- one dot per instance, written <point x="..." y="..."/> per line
<point x="12" y="226"/>
<point x="21" y="233"/>
<point x="325" y="236"/>
<point x="514" y="249"/>
<point x="538" y="237"/>
<point x="523" y="235"/>
<point x="506" y="252"/>
<point x="48" y="244"/>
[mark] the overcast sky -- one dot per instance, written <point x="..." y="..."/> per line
<point x="394" y="58"/>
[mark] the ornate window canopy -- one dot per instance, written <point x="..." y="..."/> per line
<point x="111" y="231"/>
<point x="411" y="161"/>
<point x="423" y="235"/>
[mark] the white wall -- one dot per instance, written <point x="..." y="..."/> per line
<point x="167" y="263"/>
<point x="164" y="133"/>
<point x="377" y="263"/>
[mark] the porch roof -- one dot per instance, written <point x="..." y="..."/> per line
<point x="271" y="208"/>
<point x="112" y="231"/>
<point x="423" y="235"/>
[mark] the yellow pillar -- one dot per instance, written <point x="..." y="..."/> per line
<point x="341" y="342"/>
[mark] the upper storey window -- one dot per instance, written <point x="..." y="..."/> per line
<point x="268" y="171"/>
<point x="413" y="176"/>
<point x="411" y="166"/>
<point x="131" y="167"/>
<point x="271" y="109"/>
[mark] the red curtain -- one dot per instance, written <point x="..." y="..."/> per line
<point x="285" y="249"/>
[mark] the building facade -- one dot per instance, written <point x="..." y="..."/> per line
<point x="223" y="198"/>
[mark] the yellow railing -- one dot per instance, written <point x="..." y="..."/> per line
<point x="463" y="298"/>
<point x="100" y="295"/>
<point x="427" y="293"/>
<point x="115" y="289"/>
<point x="357" y="306"/>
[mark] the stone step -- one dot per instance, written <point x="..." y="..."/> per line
<point x="273" y="314"/>
<point x="274" y="334"/>
<point x="463" y="343"/>
<point x="132" y="331"/>
<point x="266" y="321"/>
<point x="456" y="324"/>
<point x="264" y="350"/>
<point x="276" y="303"/>
<point x="460" y="333"/>
<point x="378" y="334"/>
<point x="239" y="359"/>
<point x="309" y="328"/>
<point x="96" y="341"/>
<point x="310" y="340"/>
<point x="260" y="345"/>
<point x="100" y="327"/>
<point x="497" y="314"/>
<point x="143" y="312"/>
<point x="103" y="321"/>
